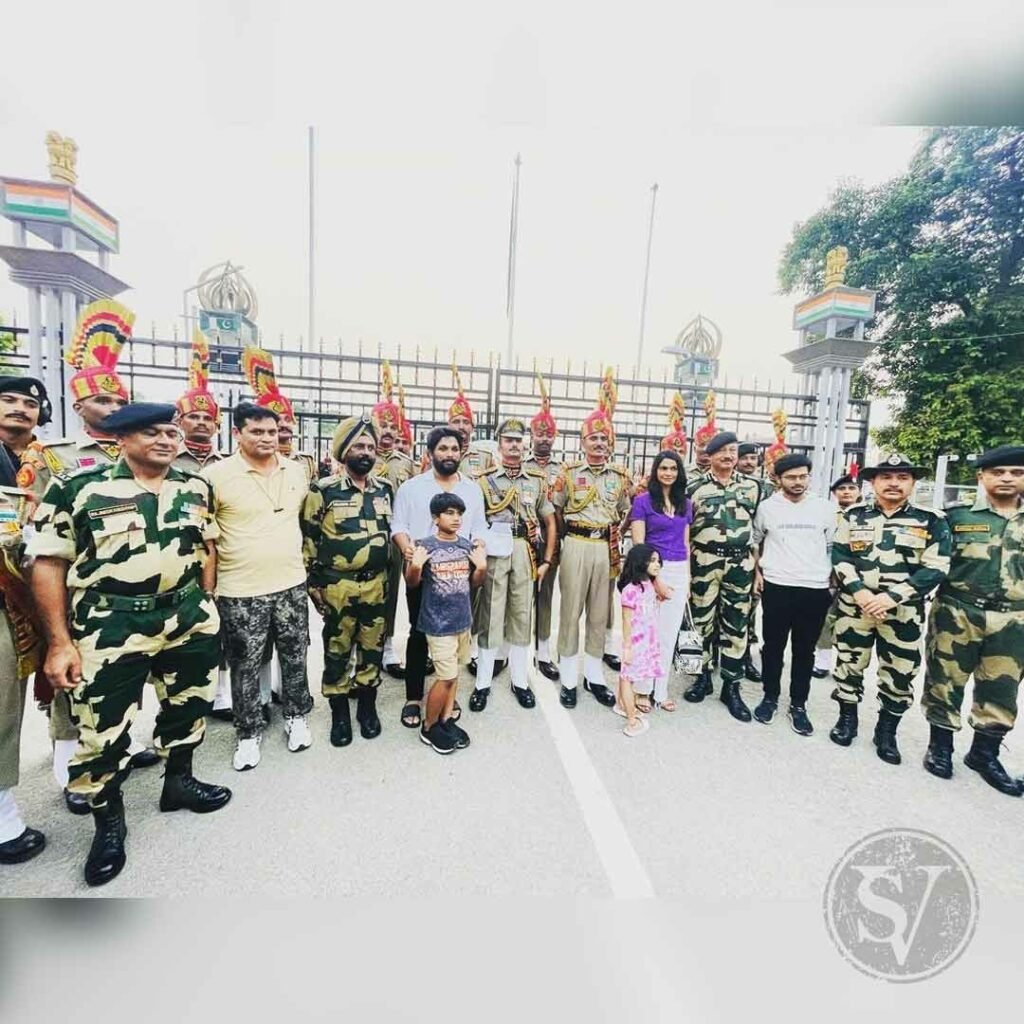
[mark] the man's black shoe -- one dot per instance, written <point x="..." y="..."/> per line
<point x="472" y="667"/>
<point x="567" y="697"/>
<point x="549" y="670"/>
<point x="845" y="729"/>
<point x="437" y="736"/>
<point x="524" y="695"/>
<point x="478" y="699"/>
<point x="183" y="791"/>
<point x="983" y="757"/>
<point x="366" y="712"/>
<point x="76" y="803"/>
<point x="144" y="759"/>
<point x="765" y="711"/>
<point x="819" y="673"/>
<point x="458" y="734"/>
<point x="341" y="720"/>
<point x="395" y="670"/>
<point x="938" y="758"/>
<point x="731" y="698"/>
<point x="221" y="714"/>
<point x="799" y="722"/>
<point x="885" y="737"/>
<point x="701" y="687"/>
<point x="600" y="693"/>
<point x="612" y="661"/>
<point x="22" y="848"/>
<point x="106" y="854"/>
<point x="750" y="670"/>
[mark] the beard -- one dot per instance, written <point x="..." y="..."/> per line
<point x="360" y="464"/>
<point x="446" y="467"/>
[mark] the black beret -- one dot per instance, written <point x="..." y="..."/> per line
<point x="1004" y="455"/>
<point x="720" y="441"/>
<point x="840" y="480"/>
<point x="31" y="387"/>
<point x="748" y="448"/>
<point x="792" y="461"/>
<point x="138" y="416"/>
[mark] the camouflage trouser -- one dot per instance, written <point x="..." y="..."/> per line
<point x="963" y="640"/>
<point x="354" y="616"/>
<point x="248" y="624"/>
<point x="545" y="599"/>
<point x="177" y="648"/>
<point x="12" y="706"/>
<point x="897" y="642"/>
<point x="720" y="599"/>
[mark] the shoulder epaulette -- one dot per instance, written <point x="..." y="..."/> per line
<point x="618" y="468"/>
<point x="534" y="471"/>
<point x="956" y="504"/>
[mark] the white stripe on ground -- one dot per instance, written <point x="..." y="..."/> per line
<point x="626" y="874"/>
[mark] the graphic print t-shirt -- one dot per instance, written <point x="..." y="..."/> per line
<point x="444" y="606"/>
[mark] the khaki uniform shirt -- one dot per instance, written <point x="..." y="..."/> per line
<point x="592" y="496"/>
<point x="44" y="460"/>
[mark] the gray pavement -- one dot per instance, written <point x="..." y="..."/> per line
<point x="545" y="802"/>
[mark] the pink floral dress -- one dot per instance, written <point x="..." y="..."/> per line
<point x="645" y="662"/>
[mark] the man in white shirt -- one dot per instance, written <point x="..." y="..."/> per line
<point x="794" y="531"/>
<point x="411" y="522"/>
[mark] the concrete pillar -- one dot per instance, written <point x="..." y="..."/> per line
<point x="821" y="432"/>
<point x="51" y="348"/>
<point x="842" y="412"/>
<point x="35" y="336"/>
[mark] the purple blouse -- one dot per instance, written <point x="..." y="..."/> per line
<point x="666" y="534"/>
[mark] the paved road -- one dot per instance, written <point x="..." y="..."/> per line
<point x="546" y="802"/>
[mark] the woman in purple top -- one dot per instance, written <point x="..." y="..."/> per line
<point x="661" y="517"/>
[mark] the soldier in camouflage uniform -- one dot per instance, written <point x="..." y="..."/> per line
<point x="346" y="531"/>
<point x="395" y="467"/>
<point x="746" y="463"/>
<point x="543" y="431"/>
<point x="591" y="499"/>
<point x="888" y="557"/>
<point x="122" y="549"/>
<point x="721" y="535"/>
<point x="976" y="624"/>
<point x="515" y="503"/>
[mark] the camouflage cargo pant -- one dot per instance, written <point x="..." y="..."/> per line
<point x="177" y="648"/>
<point x="964" y="640"/>
<point x="897" y="643"/>
<point x="720" y="599"/>
<point x="249" y="622"/>
<point x="355" y="616"/>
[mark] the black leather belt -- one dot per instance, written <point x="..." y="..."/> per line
<point x="985" y="604"/>
<point x="589" y="532"/>
<point x="736" y="551"/>
<point x="143" y="603"/>
<point x="337" y="575"/>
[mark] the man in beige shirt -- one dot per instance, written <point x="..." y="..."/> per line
<point x="261" y="579"/>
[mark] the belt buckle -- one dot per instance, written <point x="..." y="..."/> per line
<point x="595" y="534"/>
<point x="140" y="606"/>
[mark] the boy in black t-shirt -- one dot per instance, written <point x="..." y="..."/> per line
<point x="447" y="566"/>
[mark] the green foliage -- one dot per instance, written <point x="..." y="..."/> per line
<point x="8" y="343"/>
<point x="943" y="245"/>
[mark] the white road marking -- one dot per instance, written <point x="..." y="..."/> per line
<point x="621" y="863"/>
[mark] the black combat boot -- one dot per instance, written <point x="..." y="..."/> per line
<point x="183" y="791"/>
<point x="106" y="855"/>
<point x="983" y="757"/>
<point x="845" y="729"/>
<point x="341" y="720"/>
<point x="702" y="687"/>
<point x="366" y="712"/>
<point x="938" y="758"/>
<point x="885" y="737"/>
<point x="731" y="698"/>
<point x="750" y="670"/>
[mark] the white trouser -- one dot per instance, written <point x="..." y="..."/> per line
<point x="670" y="619"/>
<point x="517" y="657"/>
<point x="11" y="825"/>
<point x="518" y="660"/>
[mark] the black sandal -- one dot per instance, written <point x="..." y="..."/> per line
<point x="456" y="712"/>
<point x="411" y="717"/>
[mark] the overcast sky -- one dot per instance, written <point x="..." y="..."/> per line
<point x="191" y="124"/>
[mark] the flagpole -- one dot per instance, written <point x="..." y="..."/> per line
<point x="312" y="241"/>
<point x="647" y="274"/>
<point x="513" y="238"/>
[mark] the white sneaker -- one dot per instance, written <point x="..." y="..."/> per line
<point x="247" y="754"/>
<point x="297" y="731"/>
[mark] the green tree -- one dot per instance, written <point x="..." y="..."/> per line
<point x="943" y="245"/>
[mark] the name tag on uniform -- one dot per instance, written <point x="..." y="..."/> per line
<point x="918" y="531"/>
<point x="861" y="540"/>
<point x="112" y="510"/>
<point x="972" y="528"/>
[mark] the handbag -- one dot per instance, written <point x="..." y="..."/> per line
<point x="689" y="654"/>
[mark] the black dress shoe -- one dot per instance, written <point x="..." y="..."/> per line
<point x="524" y="695"/>
<point x="731" y="698"/>
<point x="366" y="713"/>
<point x="144" y="759"/>
<point x="600" y="693"/>
<point x="472" y="667"/>
<point x="983" y="757"/>
<point x="885" y="737"/>
<point x="701" y="687"/>
<point x="106" y="854"/>
<point x="395" y="670"/>
<point x="222" y="714"/>
<point x="750" y="670"/>
<point x="819" y="673"/>
<point x="845" y="729"/>
<point x="612" y="661"/>
<point x="22" y="848"/>
<point x="567" y="697"/>
<point x="478" y="699"/>
<point x="549" y="670"/>
<point x="341" y="720"/>
<point x="184" y="792"/>
<point x="76" y="803"/>
<point x="499" y="667"/>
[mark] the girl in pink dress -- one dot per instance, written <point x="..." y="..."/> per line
<point x="641" y="651"/>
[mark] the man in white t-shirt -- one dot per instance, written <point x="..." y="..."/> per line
<point x="794" y="530"/>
